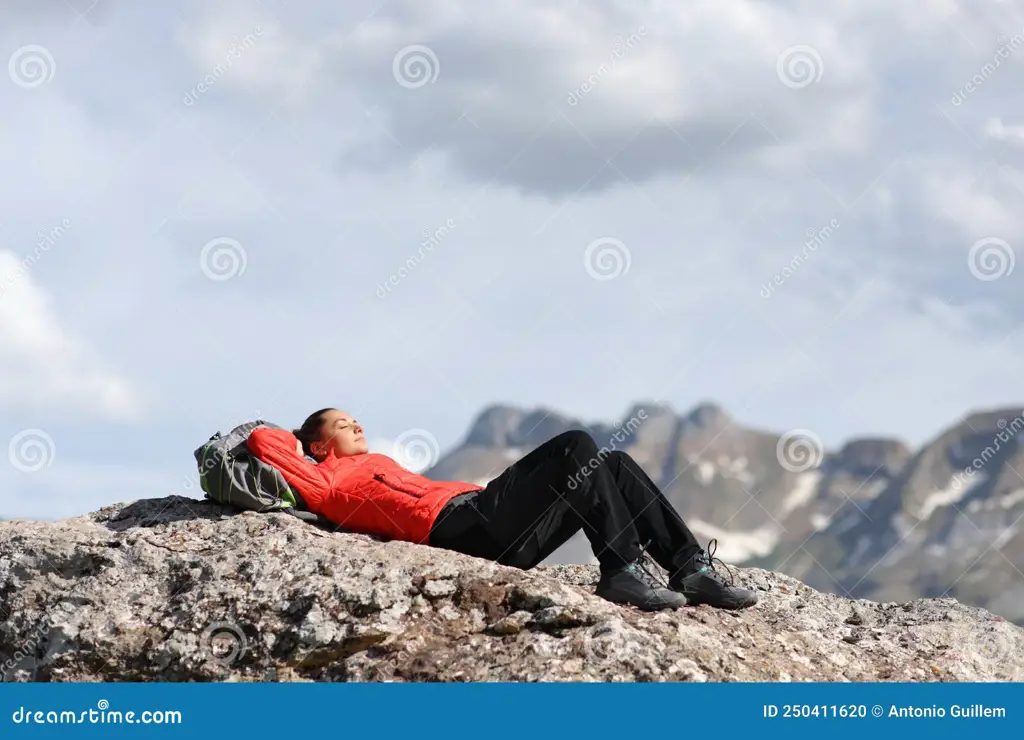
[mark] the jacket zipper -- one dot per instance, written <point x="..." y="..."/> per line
<point x="383" y="480"/>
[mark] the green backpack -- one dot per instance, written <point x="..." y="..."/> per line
<point x="230" y="474"/>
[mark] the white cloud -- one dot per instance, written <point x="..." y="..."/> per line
<point x="659" y="90"/>
<point x="235" y="50"/>
<point x="975" y="200"/>
<point x="996" y="129"/>
<point x="42" y="366"/>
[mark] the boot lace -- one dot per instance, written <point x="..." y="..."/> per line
<point x="707" y="564"/>
<point x="644" y="568"/>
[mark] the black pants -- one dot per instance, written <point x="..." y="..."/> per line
<point x="565" y="485"/>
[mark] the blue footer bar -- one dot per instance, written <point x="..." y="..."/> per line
<point x="489" y="711"/>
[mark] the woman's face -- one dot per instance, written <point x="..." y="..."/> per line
<point x="341" y="434"/>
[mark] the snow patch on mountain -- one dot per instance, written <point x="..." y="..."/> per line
<point x="705" y="471"/>
<point x="802" y="493"/>
<point x="952" y="493"/>
<point x="820" y="521"/>
<point x="1008" y="501"/>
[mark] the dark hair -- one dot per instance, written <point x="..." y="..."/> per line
<point x="309" y="432"/>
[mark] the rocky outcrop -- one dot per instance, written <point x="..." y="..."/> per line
<point x="177" y="589"/>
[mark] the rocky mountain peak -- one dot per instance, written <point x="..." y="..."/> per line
<point x="650" y="409"/>
<point x="707" y="416"/>
<point x="871" y="456"/>
<point x="494" y="426"/>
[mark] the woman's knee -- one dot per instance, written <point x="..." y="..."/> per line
<point x="577" y="441"/>
<point x="616" y="456"/>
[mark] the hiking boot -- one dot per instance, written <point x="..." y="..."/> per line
<point x="701" y="583"/>
<point x="634" y="585"/>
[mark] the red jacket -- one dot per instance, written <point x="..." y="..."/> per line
<point x="368" y="493"/>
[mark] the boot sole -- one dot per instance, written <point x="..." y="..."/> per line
<point x="729" y="606"/>
<point x="648" y="607"/>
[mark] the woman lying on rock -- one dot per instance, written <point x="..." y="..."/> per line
<point x="520" y="518"/>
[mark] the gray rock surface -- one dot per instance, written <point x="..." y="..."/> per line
<point x="181" y="590"/>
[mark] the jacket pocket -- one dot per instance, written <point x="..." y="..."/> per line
<point x="396" y="486"/>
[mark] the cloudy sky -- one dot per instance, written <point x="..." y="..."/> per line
<point x="213" y="211"/>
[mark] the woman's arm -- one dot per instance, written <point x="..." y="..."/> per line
<point x="280" y="449"/>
